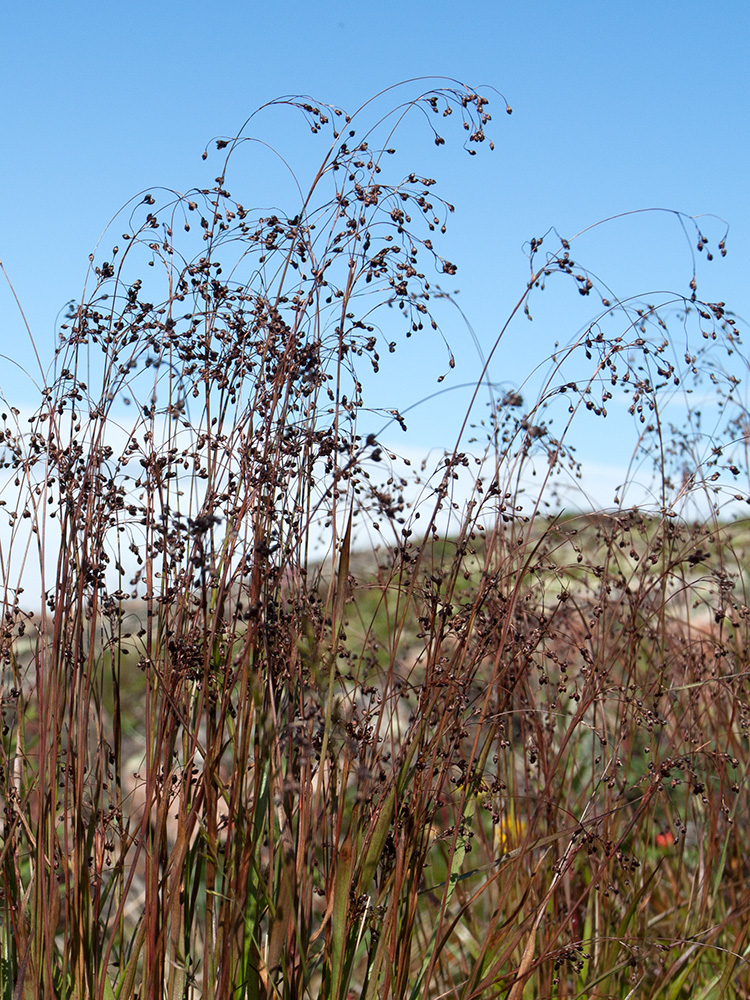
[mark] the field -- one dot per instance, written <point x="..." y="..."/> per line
<point x="291" y="719"/>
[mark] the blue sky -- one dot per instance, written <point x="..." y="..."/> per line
<point x="615" y="108"/>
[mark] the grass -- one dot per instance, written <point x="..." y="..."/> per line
<point x="500" y="755"/>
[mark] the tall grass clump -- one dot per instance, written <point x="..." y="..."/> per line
<point x="502" y="752"/>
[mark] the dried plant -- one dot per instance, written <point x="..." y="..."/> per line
<point x="244" y="756"/>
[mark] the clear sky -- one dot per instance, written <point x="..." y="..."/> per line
<point x="615" y="108"/>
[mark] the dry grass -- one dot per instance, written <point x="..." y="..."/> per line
<point x="511" y="762"/>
